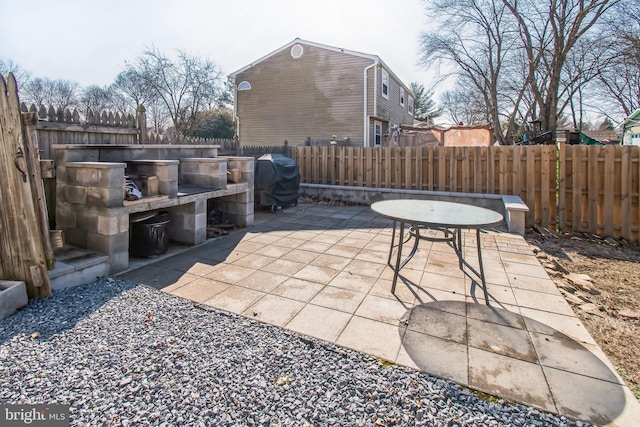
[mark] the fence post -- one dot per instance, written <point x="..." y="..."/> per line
<point x="287" y="149"/>
<point x="141" y="118"/>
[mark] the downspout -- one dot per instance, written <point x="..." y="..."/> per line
<point x="366" y="117"/>
<point x="235" y="107"/>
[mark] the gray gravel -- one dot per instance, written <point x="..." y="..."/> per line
<point x="123" y="354"/>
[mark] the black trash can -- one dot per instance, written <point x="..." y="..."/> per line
<point x="277" y="181"/>
<point x="148" y="235"/>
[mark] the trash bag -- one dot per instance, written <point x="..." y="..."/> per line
<point x="132" y="191"/>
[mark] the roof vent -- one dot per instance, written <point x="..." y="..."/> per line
<point x="297" y="51"/>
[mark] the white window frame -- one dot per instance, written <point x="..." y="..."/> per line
<point x="401" y="96"/>
<point x="385" y="84"/>
<point x="377" y="133"/>
<point x="410" y="106"/>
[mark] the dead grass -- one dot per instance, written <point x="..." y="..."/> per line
<point x="614" y="266"/>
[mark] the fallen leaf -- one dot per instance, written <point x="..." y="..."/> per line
<point x="591" y="309"/>
<point x="629" y="313"/>
<point x="149" y="317"/>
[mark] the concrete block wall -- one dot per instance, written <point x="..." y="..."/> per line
<point x="203" y="172"/>
<point x="125" y="153"/>
<point x="512" y="208"/>
<point x="188" y="222"/>
<point x="165" y="170"/>
<point x="86" y="192"/>
<point x="238" y="209"/>
<point x="247" y="168"/>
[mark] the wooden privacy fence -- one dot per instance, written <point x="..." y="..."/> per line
<point x="567" y="188"/>
<point x="58" y="126"/>
<point x="66" y="127"/>
<point x="25" y="250"/>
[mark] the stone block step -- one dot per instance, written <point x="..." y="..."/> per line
<point x="76" y="266"/>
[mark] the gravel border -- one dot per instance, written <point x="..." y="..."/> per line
<point x="124" y="354"/>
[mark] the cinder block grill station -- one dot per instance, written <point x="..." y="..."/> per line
<point x="181" y="182"/>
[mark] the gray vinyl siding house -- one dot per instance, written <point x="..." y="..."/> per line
<point x="308" y="90"/>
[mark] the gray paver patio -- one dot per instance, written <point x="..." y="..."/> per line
<point x="321" y="271"/>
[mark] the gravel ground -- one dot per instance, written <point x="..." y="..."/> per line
<point x="123" y="354"/>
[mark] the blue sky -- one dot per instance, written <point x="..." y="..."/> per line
<point x="90" y="41"/>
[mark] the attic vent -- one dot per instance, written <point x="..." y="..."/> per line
<point x="244" y="85"/>
<point x="297" y="51"/>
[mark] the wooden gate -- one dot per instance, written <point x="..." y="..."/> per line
<point x="25" y="248"/>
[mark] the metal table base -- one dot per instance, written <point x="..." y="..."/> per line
<point x="454" y="237"/>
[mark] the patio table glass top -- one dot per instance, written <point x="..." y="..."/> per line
<point x="437" y="213"/>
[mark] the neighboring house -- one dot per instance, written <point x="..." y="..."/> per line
<point x="309" y="90"/>
<point x="451" y="136"/>
<point x="631" y="129"/>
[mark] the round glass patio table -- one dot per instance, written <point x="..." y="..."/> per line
<point x="448" y="217"/>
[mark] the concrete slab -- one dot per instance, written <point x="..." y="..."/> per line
<point x="329" y="329"/>
<point x="439" y="357"/>
<point x="510" y="378"/>
<point x="274" y="310"/>
<point x="199" y="290"/>
<point x="373" y="337"/>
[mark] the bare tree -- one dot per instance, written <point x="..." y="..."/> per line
<point x="549" y="30"/>
<point x="184" y="87"/>
<point x="477" y="37"/>
<point x="461" y="107"/>
<point x="96" y="99"/>
<point x="130" y="90"/>
<point x="61" y="94"/>
<point x="35" y="92"/>
<point x="583" y="65"/>
<point x="618" y="83"/>
<point x="517" y="54"/>
<point x="132" y="87"/>
<point x="9" y="66"/>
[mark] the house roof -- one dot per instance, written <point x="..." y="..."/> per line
<point x="632" y="120"/>
<point x="373" y="58"/>
<point x="602" y="135"/>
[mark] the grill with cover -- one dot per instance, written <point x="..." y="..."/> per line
<point x="277" y="181"/>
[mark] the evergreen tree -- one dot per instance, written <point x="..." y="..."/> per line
<point x="424" y="108"/>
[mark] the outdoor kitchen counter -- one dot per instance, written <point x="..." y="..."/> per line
<point x="186" y="194"/>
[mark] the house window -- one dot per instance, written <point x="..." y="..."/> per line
<point x="377" y="130"/>
<point x="410" y="109"/>
<point x="402" y="96"/>
<point x="385" y="84"/>
<point x="244" y="85"/>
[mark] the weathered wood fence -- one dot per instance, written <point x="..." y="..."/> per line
<point x="25" y="250"/>
<point x="567" y="188"/>
<point x="57" y="126"/>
